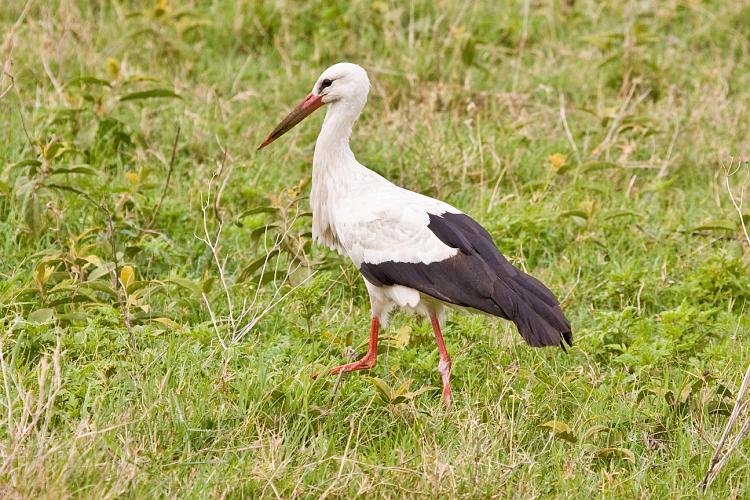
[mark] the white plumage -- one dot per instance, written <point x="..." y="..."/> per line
<point x="361" y="214"/>
<point x="414" y="252"/>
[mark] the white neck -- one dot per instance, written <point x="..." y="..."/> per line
<point x="335" y="169"/>
<point x="332" y="145"/>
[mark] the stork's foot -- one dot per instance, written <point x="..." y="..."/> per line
<point x="363" y="364"/>
<point x="370" y="358"/>
<point x="444" y="368"/>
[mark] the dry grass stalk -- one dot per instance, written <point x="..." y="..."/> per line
<point x="242" y="320"/>
<point x="28" y="410"/>
<point x="741" y="405"/>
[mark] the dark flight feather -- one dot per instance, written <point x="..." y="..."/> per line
<point x="479" y="277"/>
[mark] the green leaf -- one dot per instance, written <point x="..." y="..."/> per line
<point x="622" y="213"/>
<point x="138" y="79"/>
<point x="53" y="150"/>
<point x="717" y="225"/>
<point x="65" y="286"/>
<point x="186" y="284"/>
<point x="574" y="213"/>
<point x="88" y="80"/>
<point x="657" y="391"/>
<point x="409" y="396"/>
<point x="403" y="388"/>
<point x="267" y="278"/>
<point x="134" y="286"/>
<point x="383" y="388"/>
<point x="718" y="407"/>
<point x="610" y="453"/>
<point x="41" y="315"/>
<point x="469" y="52"/>
<point x="168" y="322"/>
<point x="257" y="210"/>
<point x="26" y="163"/>
<point x="100" y="271"/>
<point x="149" y="94"/>
<point x="598" y="165"/>
<point x="70" y="189"/>
<point x="723" y="391"/>
<point x="33" y="213"/>
<point x="543" y="377"/>
<point x="103" y="287"/>
<point x="251" y="268"/>
<point x="593" y="431"/>
<point x="669" y="397"/>
<point x="75" y="317"/>
<point x="75" y="297"/>
<point x="260" y="231"/>
<point x="76" y="169"/>
<point x="564" y="169"/>
<point x="208" y="284"/>
<point x="685" y="393"/>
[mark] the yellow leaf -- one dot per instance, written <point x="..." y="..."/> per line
<point x="556" y="426"/>
<point x="93" y="259"/>
<point x="404" y="387"/>
<point x="133" y="301"/>
<point x="161" y="9"/>
<point x="556" y="161"/>
<point x="402" y="337"/>
<point x="41" y="276"/>
<point x="168" y="322"/>
<point x="560" y="430"/>
<point x="457" y="31"/>
<point x="623" y="453"/>
<point x="588" y="207"/>
<point x="47" y="273"/>
<point x="127" y="276"/>
<point x="594" y="431"/>
<point x="132" y="177"/>
<point x="113" y="67"/>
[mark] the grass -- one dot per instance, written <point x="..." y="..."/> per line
<point x="590" y="138"/>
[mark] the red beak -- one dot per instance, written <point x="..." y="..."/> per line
<point x="302" y="111"/>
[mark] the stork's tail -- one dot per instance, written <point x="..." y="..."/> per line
<point x="534" y="309"/>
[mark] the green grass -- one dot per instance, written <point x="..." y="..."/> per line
<point x="626" y="218"/>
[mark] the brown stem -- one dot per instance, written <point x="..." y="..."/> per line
<point x="166" y="182"/>
<point x="116" y="282"/>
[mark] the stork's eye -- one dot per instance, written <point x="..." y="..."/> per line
<point x="325" y="83"/>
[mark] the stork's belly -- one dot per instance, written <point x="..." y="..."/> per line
<point x="402" y="296"/>
<point x="384" y="298"/>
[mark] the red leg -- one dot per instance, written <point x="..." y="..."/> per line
<point x="444" y="367"/>
<point x="370" y="358"/>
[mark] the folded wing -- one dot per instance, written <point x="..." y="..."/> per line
<point x="451" y="257"/>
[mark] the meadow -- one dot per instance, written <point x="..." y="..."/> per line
<point x="162" y="305"/>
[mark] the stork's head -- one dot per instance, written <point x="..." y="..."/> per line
<point x="343" y="85"/>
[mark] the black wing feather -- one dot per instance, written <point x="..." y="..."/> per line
<point x="480" y="277"/>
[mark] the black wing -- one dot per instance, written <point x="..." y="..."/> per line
<point x="478" y="276"/>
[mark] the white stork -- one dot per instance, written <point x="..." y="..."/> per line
<point x="414" y="252"/>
